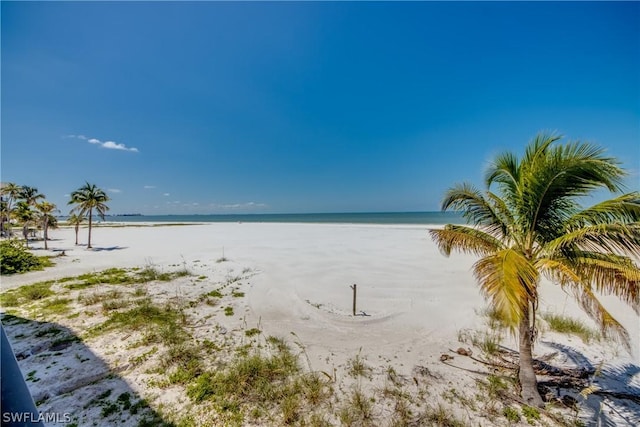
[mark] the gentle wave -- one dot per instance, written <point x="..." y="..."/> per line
<point x="323" y="218"/>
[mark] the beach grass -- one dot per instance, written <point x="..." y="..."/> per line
<point x="26" y="294"/>
<point x="569" y="325"/>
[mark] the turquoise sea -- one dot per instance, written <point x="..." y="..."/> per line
<point x="323" y="218"/>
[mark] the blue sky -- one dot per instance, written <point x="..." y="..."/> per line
<point x="211" y="107"/>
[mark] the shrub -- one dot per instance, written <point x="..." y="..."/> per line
<point x="15" y="258"/>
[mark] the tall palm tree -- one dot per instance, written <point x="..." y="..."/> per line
<point x="46" y="210"/>
<point x="75" y="220"/>
<point x="535" y="226"/>
<point x="87" y="198"/>
<point x="30" y="195"/>
<point x="26" y="216"/>
<point x="10" y="192"/>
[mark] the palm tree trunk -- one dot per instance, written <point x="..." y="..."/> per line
<point x="25" y="234"/>
<point x="526" y="374"/>
<point x="45" y="226"/>
<point x="77" y="227"/>
<point x="90" y="217"/>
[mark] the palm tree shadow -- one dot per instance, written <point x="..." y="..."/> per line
<point x="615" y="400"/>
<point x="66" y="379"/>
<point x="107" y="249"/>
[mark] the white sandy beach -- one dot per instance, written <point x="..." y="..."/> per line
<point x="412" y="300"/>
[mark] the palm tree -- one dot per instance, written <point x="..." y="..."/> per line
<point x="25" y="215"/>
<point x="87" y="198"/>
<point x="10" y="191"/>
<point x="46" y="210"/>
<point x="30" y="195"/>
<point x="75" y="220"/>
<point x="535" y="226"/>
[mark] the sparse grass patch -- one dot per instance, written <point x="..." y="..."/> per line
<point x="531" y="414"/>
<point x="56" y="306"/>
<point x="228" y="311"/>
<point x="488" y="342"/>
<point x="161" y="323"/>
<point x="26" y="294"/>
<point x="121" y="276"/>
<point x="252" y="332"/>
<point x="494" y="386"/>
<point x="442" y="417"/>
<point x="568" y="325"/>
<point x="511" y="414"/>
<point x="252" y="378"/>
<point x="114" y="304"/>
<point x="357" y="367"/>
<point x="357" y="410"/>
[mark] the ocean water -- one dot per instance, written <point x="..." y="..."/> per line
<point x="322" y="218"/>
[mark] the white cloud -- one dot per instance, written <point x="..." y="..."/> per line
<point x="111" y="145"/>
<point x="114" y="190"/>
<point x="147" y="187"/>
<point x="115" y="146"/>
<point x="166" y="194"/>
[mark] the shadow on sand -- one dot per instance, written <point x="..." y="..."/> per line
<point x="71" y="384"/>
<point x="107" y="249"/>
<point x="615" y="400"/>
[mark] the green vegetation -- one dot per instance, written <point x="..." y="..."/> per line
<point x="121" y="276"/>
<point x="15" y="258"/>
<point x="568" y="325"/>
<point x="26" y="294"/>
<point x="487" y="341"/>
<point x="56" y="306"/>
<point x="273" y="381"/>
<point x="535" y="225"/>
<point x="511" y="414"/>
<point x="357" y="367"/>
<point x="164" y="324"/>
<point x="252" y="332"/>
<point x="531" y="414"/>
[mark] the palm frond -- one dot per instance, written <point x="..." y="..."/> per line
<point x="557" y="271"/>
<point x="464" y="239"/>
<point x="476" y="209"/>
<point x="505" y="171"/>
<point x="509" y="281"/>
<point x="609" y="326"/>
<point x="616" y="238"/>
<point x="624" y="209"/>
<point x="554" y="179"/>
<point x="610" y="274"/>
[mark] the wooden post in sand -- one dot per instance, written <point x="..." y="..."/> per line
<point x="354" y="298"/>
